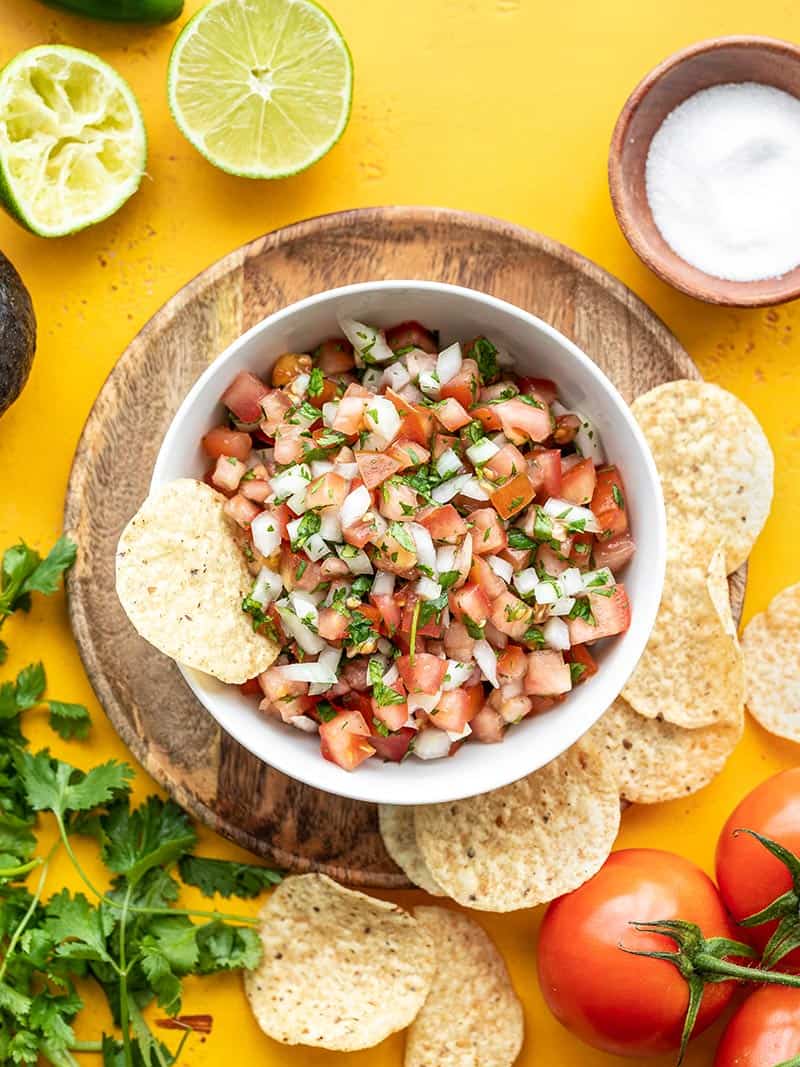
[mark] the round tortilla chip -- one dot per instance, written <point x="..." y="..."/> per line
<point x="655" y="760"/>
<point x="400" y="839"/>
<point x="715" y="463"/>
<point x="472" y="1014"/>
<point x="528" y="842"/>
<point x="772" y="675"/>
<point x="691" y="672"/>
<point x="340" y="970"/>
<point x="181" y="579"/>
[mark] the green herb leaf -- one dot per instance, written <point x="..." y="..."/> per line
<point x="519" y="539"/>
<point x="227" y="878"/>
<point x="310" y="524"/>
<point x="485" y="354"/>
<point x="316" y="382"/>
<point x="53" y="785"/>
<point x="69" y="721"/>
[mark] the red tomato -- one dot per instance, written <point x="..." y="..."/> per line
<point x="547" y="674"/>
<point x="243" y="397"/>
<point x="749" y="877"/>
<point x="288" y="443"/>
<point x="411" y="333"/>
<point x="349" y="418"/>
<point x="424" y="675"/>
<point x="453" y="711"/>
<point x="542" y="388"/>
<point x="375" y="467"/>
<point x="251" y="688"/>
<point x="612" y="615"/>
<point x="389" y="611"/>
<point x="578" y="483"/>
<point x="517" y="416"/>
<point x="580" y="654"/>
<point x="765" y="1030"/>
<point x="488" y="726"/>
<point x="224" y="442"/>
<point x="507" y="463"/>
<point x="614" y="553"/>
<point x="408" y="454"/>
<point x="463" y="387"/>
<point x="470" y="603"/>
<point x="511" y="663"/>
<point x="332" y="625"/>
<point x="513" y="496"/>
<point x="442" y="443"/>
<point x="391" y="715"/>
<point x="488" y="417"/>
<point x="334" y="356"/>
<point x="444" y="524"/>
<point x="395" y="746"/>
<point x="510" y="615"/>
<point x="327" y="491"/>
<point x="417" y="422"/>
<point x="343" y="740"/>
<point x="488" y="533"/>
<point x="544" y="470"/>
<point x="625" y="1004"/>
<point x="608" y="503"/>
<point x="431" y="627"/>
<point x="451" y="414"/>
<point x="481" y="574"/>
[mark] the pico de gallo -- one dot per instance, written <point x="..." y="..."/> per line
<point x="435" y="540"/>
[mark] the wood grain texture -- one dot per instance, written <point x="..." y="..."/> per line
<point x="155" y="713"/>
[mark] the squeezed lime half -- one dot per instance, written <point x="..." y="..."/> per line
<point x="73" y="146"/>
<point x="262" y="88"/>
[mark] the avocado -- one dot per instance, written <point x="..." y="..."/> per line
<point x="17" y="334"/>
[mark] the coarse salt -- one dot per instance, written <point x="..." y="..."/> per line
<point x="722" y="178"/>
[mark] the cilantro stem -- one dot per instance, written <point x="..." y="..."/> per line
<point x="86" y="1046"/>
<point x="26" y="918"/>
<point x="70" y="852"/>
<point x="124" y="1007"/>
<point x="412" y="637"/>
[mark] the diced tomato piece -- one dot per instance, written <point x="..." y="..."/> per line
<point x="580" y="654"/>
<point x="481" y="574"/>
<point x="391" y="715"/>
<point x="391" y="555"/>
<point x="288" y="443"/>
<point x="411" y="333"/>
<point x="417" y="422"/>
<point x="518" y="418"/>
<point x="547" y="674"/>
<point x="274" y="405"/>
<point x="398" y="501"/>
<point x="577" y="484"/>
<point x="344" y="740"/>
<point x="452" y="711"/>
<point x="276" y="686"/>
<point x="451" y="414"/>
<point x="544" y="471"/>
<point x="542" y="388"/>
<point x="566" y="429"/>
<point x="424" y="675"/>
<point x="540" y="704"/>
<point x="227" y="474"/>
<point x="430" y="629"/>
<point x="510" y="615"/>
<point x="519" y="558"/>
<point x="488" y="416"/>
<point x="349" y="417"/>
<point x="507" y="463"/>
<point x="334" y="356"/>
<point x="389" y="610"/>
<point x="614" y="553"/>
<point x="298" y="572"/>
<point x="358" y="534"/>
<point x="470" y="604"/>
<point x="608" y="503"/>
<point x="475" y="699"/>
<point x="444" y="524"/>
<point x="224" y="442"/>
<point x="464" y="386"/>
<point x="488" y="726"/>
<point x="241" y="510"/>
<point x="408" y="454"/>
<point x="511" y="663"/>
<point x="327" y="491"/>
<point x="243" y="397"/>
<point x="332" y="625"/>
<point x="395" y="746"/>
<point x="512" y="497"/>
<point x="251" y="688"/>
<point x="488" y="533"/>
<point x="256" y="489"/>
<point x="581" y="551"/>
<point x="376" y="467"/>
<point x="612" y="615"/>
<point x="550" y="561"/>
<point x="442" y="442"/>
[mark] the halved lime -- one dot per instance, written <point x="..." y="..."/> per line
<point x="72" y="141"/>
<point x="262" y="88"/>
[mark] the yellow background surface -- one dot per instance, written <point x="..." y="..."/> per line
<point x="498" y="106"/>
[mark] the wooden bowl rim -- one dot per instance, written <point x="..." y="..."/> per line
<point x="780" y="292"/>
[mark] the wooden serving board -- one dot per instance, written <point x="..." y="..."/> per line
<point x="169" y="732"/>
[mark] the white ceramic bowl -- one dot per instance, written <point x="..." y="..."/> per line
<point x="540" y="351"/>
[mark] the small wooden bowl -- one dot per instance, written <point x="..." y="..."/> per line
<point x="713" y="62"/>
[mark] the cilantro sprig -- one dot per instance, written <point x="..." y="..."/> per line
<point x="24" y="572"/>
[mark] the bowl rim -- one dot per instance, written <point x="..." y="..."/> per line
<point x="618" y="188"/>
<point x="492" y="774"/>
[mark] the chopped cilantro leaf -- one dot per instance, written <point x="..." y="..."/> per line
<point x="576" y="672"/>
<point x="310" y="524"/>
<point x="485" y="354"/>
<point x="581" y="610"/>
<point x="316" y="382"/>
<point x="473" y="629"/>
<point x="519" y="539"/>
<point x="534" y="636"/>
<point x="619" y="499"/>
<point x="381" y="727"/>
<point x="448" y="578"/>
<point x="326" y="711"/>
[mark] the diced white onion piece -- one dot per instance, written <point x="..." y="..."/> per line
<point x="320" y="467"/>
<point x="431" y="744"/>
<point x="355" y="506"/>
<point x="297" y="503"/>
<point x="460" y="737"/>
<point x="318" y="673"/>
<point x="357" y="559"/>
<point x="526" y="581"/>
<point x="572" y="513"/>
<point x="563" y="606"/>
<point x="445" y="492"/>
<point x="411" y="393"/>
<point x="423" y="542"/>
<point x="556" y="634"/>
<point x="304" y="607"/>
<point x="499" y="439"/>
<point x="293" y="528"/>
<point x="293" y="480"/>
<point x="383" y="418"/>
<point x="428" y="589"/>
<point x="332" y="591"/>
<point x="587" y="441"/>
<point x="482" y="451"/>
<point x="463" y="560"/>
<point x="299" y="386"/>
<point x="447" y="463"/>
<point x="379" y="524"/>
<point x="426" y="701"/>
<point x="383" y="583"/>
<point x="449" y="363"/>
<point x="430" y="384"/>
<point x="304" y="723"/>
<point x="329" y="412"/>
<point x="261" y="455"/>
<point x="445" y="621"/>
<point x="268" y="586"/>
<point x="348" y="471"/>
<point x="594" y="580"/>
<point x="266" y="533"/>
<point x="384" y="646"/>
<point x="396" y="377"/>
<point x="315" y="548"/>
<point x="571" y="581"/>
<point x="501" y="567"/>
<point x="372" y="379"/>
<point x="370" y="344"/>
<point x="317" y="595"/>
<point x="547" y="593"/>
<point x="391" y="675"/>
<point x="473" y="489"/>
<point x="331" y="526"/>
<point x="504" y="357"/>
<point x="487" y="661"/>
<point x="445" y="559"/>
<point x="457" y="674"/>
<point x="309" y="642"/>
